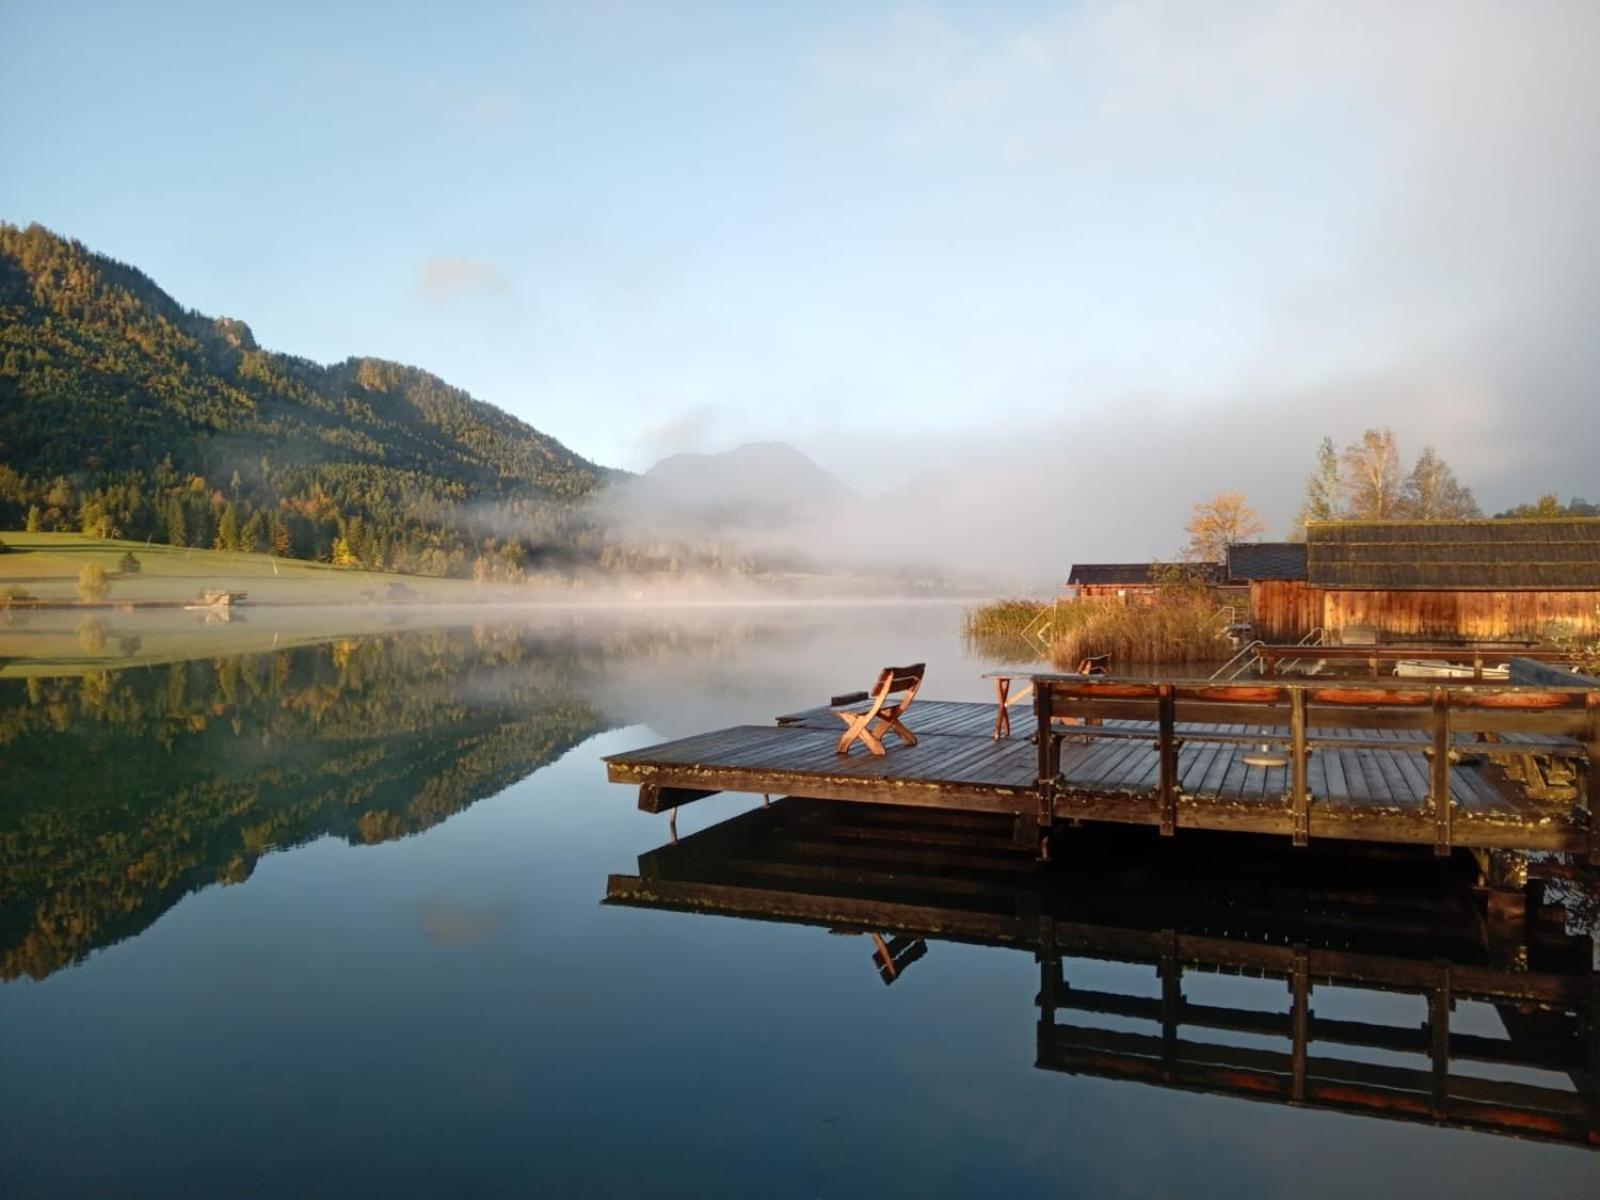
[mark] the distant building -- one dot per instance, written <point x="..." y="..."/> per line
<point x="1135" y="581"/>
<point x="1425" y="581"/>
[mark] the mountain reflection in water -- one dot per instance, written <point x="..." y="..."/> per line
<point x="1311" y="977"/>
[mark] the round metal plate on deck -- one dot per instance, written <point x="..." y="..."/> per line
<point x="1265" y="760"/>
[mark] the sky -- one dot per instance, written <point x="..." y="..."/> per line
<point x="1093" y="260"/>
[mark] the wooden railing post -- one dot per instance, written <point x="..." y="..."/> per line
<point x="1049" y="757"/>
<point x="1299" y="791"/>
<point x="1167" y="749"/>
<point x="1591" y="798"/>
<point x="1440" y="773"/>
<point x="1041" y="721"/>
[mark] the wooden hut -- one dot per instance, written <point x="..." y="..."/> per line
<point x="1137" y="582"/>
<point x="1431" y="581"/>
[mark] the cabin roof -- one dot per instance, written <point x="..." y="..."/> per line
<point x="1267" y="560"/>
<point x="1146" y="574"/>
<point x="1481" y="555"/>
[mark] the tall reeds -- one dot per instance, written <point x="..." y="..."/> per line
<point x="1183" y="627"/>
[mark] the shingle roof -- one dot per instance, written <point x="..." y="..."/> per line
<point x="1136" y="574"/>
<point x="1267" y="560"/>
<point x="1484" y="555"/>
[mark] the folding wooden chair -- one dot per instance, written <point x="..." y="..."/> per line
<point x="868" y="725"/>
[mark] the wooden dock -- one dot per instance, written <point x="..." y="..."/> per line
<point x="1361" y="920"/>
<point x="1501" y="768"/>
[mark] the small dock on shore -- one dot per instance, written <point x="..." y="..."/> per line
<point x="1486" y="768"/>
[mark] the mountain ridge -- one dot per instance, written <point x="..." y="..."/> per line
<point x="111" y="390"/>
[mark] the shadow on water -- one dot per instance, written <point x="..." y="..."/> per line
<point x="1312" y="977"/>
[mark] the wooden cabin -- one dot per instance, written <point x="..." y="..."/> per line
<point x="1137" y="582"/>
<point x="1482" y="581"/>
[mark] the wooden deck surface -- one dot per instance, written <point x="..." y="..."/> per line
<point x="1360" y="792"/>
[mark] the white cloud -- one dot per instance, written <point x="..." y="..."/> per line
<point x="440" y="280"/>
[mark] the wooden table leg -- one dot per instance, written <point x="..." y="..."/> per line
<point x="1002" y="718"/>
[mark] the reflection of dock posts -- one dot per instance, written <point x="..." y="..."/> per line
<point x="1051" y="985"/>
<point x="1171" y="974"/>
<point x="1439" y="1003"/>
<point x="1300" y="989"/>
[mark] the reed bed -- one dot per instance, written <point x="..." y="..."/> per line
<point x="1004" y="618"/>
<point x="1182" y="628"/>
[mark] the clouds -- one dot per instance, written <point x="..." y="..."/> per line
<point x="442" y="280"/>
<point x="1312" y="215"/>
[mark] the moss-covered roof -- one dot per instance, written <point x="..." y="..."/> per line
<point x="1487" y="555"/>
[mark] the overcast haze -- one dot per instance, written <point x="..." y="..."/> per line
<point x="1104" y="257"/>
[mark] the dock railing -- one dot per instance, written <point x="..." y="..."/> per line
<point x="1304" y="717"/>
<point x="1376" y="657"/>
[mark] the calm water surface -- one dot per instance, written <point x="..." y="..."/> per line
<point x="329" y="921"/>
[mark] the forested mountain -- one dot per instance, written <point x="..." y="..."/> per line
<point x="123" y="412"/>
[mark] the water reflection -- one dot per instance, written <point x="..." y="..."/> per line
<point x="123" y="792"/>
<point x="1304" y="977"/>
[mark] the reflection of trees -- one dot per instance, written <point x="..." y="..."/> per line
<point x="123" y="792"/>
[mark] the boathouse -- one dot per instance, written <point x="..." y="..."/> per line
<point x="1136" y="582"/>
<point x="1487" y="581"/>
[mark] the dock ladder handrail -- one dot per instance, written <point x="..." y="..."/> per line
<point x="1046" y="618"/>
<point x="1240" y="662"/>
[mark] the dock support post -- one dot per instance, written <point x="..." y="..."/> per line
<point x="1299" y="791"/>
<point x="1167" y="749"/>
<point x="1503" y="876"/>
<point x="1440" y="772"/>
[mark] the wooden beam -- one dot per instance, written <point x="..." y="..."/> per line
<point x="654" y="798"/>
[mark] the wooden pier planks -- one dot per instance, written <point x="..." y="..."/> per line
<point x="1111" y="772"/>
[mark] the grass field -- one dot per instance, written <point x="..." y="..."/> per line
<point x="318" y="603"/>
<point x="47" y="565"/>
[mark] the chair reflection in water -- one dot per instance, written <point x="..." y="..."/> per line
<point x="1501" y="1033"/>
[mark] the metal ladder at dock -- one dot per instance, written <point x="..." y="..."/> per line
<point x="1249" y="658"/>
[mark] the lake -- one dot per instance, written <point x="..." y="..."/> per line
<point x="329" y="920"/>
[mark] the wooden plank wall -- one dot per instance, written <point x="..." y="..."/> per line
<point x="1284" y="611"/>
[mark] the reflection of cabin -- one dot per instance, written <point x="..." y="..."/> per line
<point x="1131" y="582"/>
<point x="1439" y="581"/>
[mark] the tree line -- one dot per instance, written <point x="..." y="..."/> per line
<point x="1367" y="480"/>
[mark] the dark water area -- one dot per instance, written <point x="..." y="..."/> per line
<point x="365" y="918"/>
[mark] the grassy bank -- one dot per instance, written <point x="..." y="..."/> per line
<point x="46" y="566"/>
